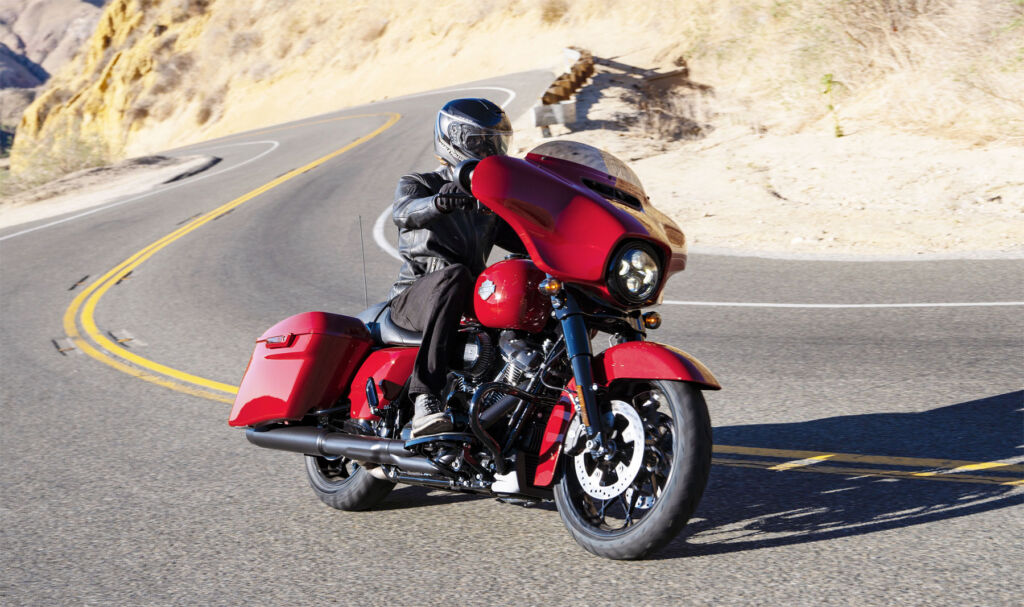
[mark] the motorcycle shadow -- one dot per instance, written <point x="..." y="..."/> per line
<point x="414" y="496"/>
<point x="747" y="509"/>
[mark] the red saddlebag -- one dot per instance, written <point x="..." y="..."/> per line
<point x="302" y="363"/>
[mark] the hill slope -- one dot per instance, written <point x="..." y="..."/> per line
<point x="166" y="72"/>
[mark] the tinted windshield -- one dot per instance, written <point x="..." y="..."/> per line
<point x="590" y="157"/>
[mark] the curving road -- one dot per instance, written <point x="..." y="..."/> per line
<point x="866" y="455"/>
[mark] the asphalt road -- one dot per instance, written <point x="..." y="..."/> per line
<point x="118" y="490"/>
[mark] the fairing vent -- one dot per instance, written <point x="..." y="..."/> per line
<point x="614" y="194"/>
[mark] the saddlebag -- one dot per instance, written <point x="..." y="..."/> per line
<point x="302" y="363"/>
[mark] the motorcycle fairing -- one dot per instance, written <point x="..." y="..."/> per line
<point x="393" y="365"/>
<point x="554" y="437"/>
<point x="569" y="230"/>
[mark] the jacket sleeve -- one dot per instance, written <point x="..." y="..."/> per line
<point x="414" y="204"/>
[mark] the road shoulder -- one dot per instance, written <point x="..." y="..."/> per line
<point x="97" y="186"/>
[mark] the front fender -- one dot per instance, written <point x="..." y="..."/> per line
<point x="630" y="360"/>
<point x="650" y="360"/>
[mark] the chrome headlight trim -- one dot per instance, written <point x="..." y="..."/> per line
<point x="634" y="273"/>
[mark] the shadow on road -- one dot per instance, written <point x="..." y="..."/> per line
<point x="746" y="509"/>
<point x="411" y="496"/>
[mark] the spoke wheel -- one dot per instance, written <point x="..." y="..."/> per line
<point x="632" y="501"/>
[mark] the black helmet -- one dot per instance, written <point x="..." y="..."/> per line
<point x="471" y="128"/>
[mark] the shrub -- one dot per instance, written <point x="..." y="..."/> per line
<point x="552" y="11"/>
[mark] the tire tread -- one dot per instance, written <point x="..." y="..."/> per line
<point x="360" y="492"/>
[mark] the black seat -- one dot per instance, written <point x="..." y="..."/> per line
<point x="377" y="319"/>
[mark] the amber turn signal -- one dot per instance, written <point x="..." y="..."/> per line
<point x="550" y="286"/>
<point x="652" y="320"/>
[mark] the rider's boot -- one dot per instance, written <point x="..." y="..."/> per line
<point x="428" y="416"/>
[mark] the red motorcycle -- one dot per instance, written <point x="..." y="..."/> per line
<point x="620" y="439"/>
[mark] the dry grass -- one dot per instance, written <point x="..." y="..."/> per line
<point x="244" y="42"/>
<point x="952" y="68"/>
<point x="553" y="11"/>
<point x="673" y="115"/>
<point x="54" y="157"/>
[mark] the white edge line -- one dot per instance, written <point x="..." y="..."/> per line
<point x="511" y="93"/>
<point x="378" y="234"/>
<point x="159" y="190"/>
<point x="378" y="225"/>
<point x="736" y="304"/>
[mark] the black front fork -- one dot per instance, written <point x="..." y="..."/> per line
<point x="581" y="356"/>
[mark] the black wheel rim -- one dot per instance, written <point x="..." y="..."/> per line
<point x="335" y="471"/>
<point x="625" y="511"/>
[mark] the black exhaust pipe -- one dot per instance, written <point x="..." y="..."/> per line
<point x="370" y="449"/>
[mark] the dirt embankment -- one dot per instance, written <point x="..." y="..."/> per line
<point x="874" y="192"/>
<point x="853" y="126"/>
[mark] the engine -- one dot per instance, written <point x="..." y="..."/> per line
<point x="511" y="357"/>
<point x="519" y="355"/>
<point x="509" y="361"/>
<point x="478" y="354"/>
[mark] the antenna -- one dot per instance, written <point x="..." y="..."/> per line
<point x="362" y="255"/>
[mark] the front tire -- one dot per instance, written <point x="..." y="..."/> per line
<point x="616" y="511"/>
<point x="344" y="484"/>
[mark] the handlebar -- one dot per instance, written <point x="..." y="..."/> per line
<point x="464" y="175"/>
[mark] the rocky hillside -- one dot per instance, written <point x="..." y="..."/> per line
<point x="37" y="38"/>
<point x="46" y="33"/>
<point x="158" y="73"/>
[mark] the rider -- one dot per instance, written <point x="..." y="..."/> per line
<point x="445" y="238"/>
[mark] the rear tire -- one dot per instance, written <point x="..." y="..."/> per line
<point x="660" y="499"/>
<point x="343" y="484"/>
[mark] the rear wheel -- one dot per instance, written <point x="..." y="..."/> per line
<point x="344" y="484"/>
<point x="637" y="498"/>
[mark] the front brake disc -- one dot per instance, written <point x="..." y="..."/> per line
<point x="594" y="475"/>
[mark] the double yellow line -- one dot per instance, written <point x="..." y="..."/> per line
<point x="83" y="308"/>
<point x="923" y="468"/>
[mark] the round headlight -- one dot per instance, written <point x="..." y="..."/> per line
<point x="635" y="273"/>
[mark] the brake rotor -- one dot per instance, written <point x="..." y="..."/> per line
<point x="594" y="475"/>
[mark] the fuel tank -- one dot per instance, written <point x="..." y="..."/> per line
<point x="506" y="297"/>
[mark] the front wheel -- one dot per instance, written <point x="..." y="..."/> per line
<point x="343" y="484"/>
<point x="639" y="496"/>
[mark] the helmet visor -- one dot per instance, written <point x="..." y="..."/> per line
<point x="479" y="142"/>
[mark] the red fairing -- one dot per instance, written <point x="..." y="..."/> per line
<point x="554" y="437"/>
<point x="393" y="365"/>
<point x="650" y="360"/>
<point x="300" y="364"/>
<point x="568" y="229"/>
<point x="507" y="297"/>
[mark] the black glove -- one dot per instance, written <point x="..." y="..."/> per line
<point x="451" y="198"/>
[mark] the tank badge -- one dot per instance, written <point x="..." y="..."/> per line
<point x="486" y="290"/>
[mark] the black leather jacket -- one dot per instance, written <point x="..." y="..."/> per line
<point x="429" y="240"/>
